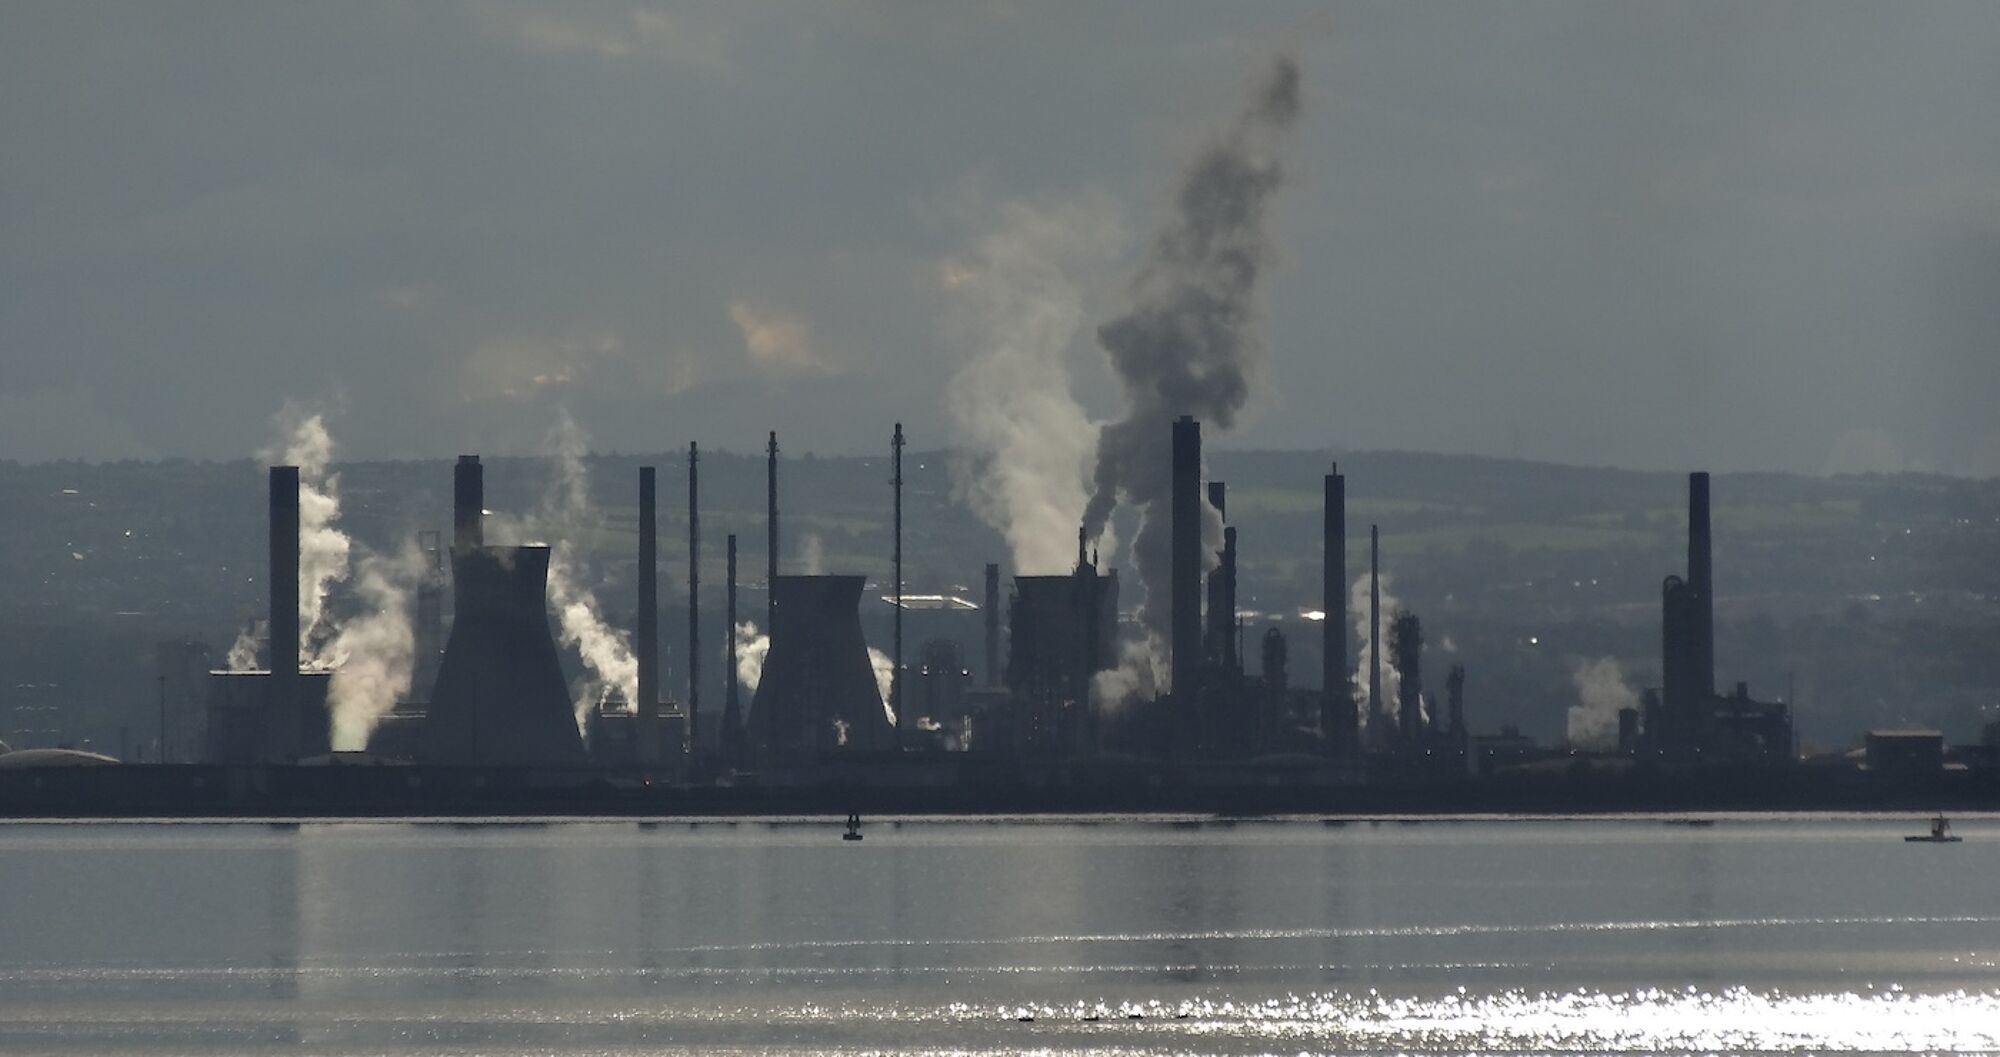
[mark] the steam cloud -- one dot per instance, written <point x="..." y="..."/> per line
<point x="1191" y="344"/>
<point x="812" y="555"/>
<point x="1601" y="691"/>
<point x="1024" y="442"/>
<point x="324" y="549"/>
<point x="885" y="680"/>
<point x="751" y="648"/>
<point x="375" y="651"/>
<point x="371" y="653"/>
<point x="1385" y="711"/>
<point x="566" y="517"/>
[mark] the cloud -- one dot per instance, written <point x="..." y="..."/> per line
<point x="611" y="33"/>
<point x="777" y="343"/>
<point x="519" y="366"/>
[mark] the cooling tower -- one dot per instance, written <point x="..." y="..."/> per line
<point x="818" y="689"/>
<point x="500" y="699"/>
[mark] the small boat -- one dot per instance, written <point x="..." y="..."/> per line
<point x="854" y="827"/>
<point x="1940" y="834"/>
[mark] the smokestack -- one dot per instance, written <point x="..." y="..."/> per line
<point x="896" y="672"/>
<point x="285" y="571"/>
<point x="1406" y="644"/>
<point x="1677" y="675"/>
<point x="468" y="494"/>
<point x="993" y="623"/>
<point x="1374" y="622"/>
<point x="1185" y="548"/>
<point x="1336" y="719"/>
<point x="1701" y="589"/>
<point x="283" y="723"/>
<point x="428" y="635"/>
<point x="1226" y="624"/>
<point x="732" y="706"/>
<point x="1220" y="632"/>
<point x="694" y="597"/>
<point x="646" y="710"/>
<point x="771" y="528"/>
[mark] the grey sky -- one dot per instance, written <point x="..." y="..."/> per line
<point x="1654" y="235"/>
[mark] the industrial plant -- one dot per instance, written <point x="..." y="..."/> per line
<point x="1052" y="709"/>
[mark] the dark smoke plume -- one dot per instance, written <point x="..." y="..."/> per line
<point x="1190" y="345"/>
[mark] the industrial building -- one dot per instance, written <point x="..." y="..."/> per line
<point x="1684" y="720"/>
<point x="490" y="692"/>
<point x="1063" y="631"/>
<point x="818" y="690"/>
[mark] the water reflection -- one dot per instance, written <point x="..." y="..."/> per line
<point x="1113" y="937"/>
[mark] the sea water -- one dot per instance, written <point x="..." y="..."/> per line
<point x="1070" y="936"/>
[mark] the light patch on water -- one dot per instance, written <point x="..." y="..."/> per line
<point x="1680" y="1020"/>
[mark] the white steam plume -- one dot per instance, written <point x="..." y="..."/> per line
<point x="374" y="653"/>
<point x="885" y="680"/>
<point x="751" y="648"/>
<point x="1024" y="443"/>
<point x="371" y="653"/>
<point x="1392" y="681"/>
<point x="1602" y="692"/>
<point x="812" y="555"/>
<point x="324" y="550"/>
<point x="1139" y="674"/>
<point x="566" y="517"/>
<point x="243" y="652"/>
<point x="1192" y="342"/>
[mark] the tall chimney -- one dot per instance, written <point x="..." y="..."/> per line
<point x="1219" y="630"/>
<point x="993" y="624"/>
<point x="646" y="710"/>
<point x="732" y="706"/>
<point x="771" y="528"/>
<point x="1185" y="551"/>
<point x="1374" y="624"/>
<point x="1701" y="589"/>
<point x="468" y="503"/>
<point x="1336" y="719"/>
<point x="1678" y="702"/>
<point x="896" y="672"/>
<point x="694" y="599"/>
<point x="283" y="733"/>
<point x="1226" y="623"/>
